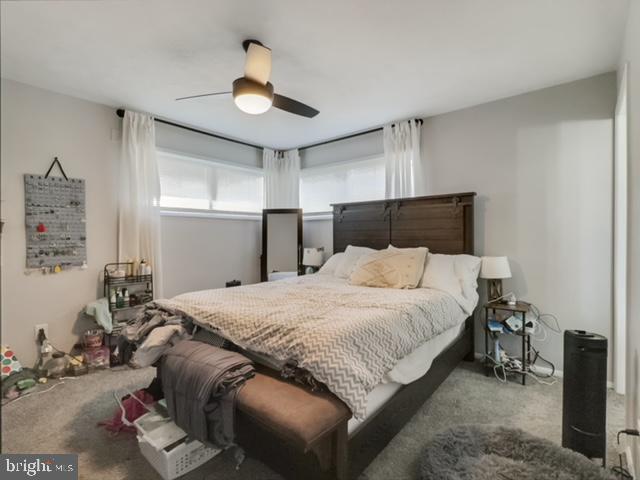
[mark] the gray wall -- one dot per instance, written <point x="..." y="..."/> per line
<point x="202" y="253"/>
<point x="541" y="164"/>
<point x="36" y="126"/>
<point x="631" y="54"/>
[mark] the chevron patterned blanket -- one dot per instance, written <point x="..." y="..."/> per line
<point x="347" y="336"/>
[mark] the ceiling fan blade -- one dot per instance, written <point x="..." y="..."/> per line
<point x="203" y="95"/>
<point x="293" y="106"/>
<point x="257" y="67"/>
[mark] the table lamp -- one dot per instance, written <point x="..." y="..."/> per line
<point x="312" y="259"/>
<point x="495" y="269"/>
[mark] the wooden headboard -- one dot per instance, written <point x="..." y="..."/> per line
<point x="443" y="223"/>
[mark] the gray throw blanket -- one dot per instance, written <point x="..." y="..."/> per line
<point x="200" y="384"/>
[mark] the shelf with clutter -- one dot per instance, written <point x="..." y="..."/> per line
<point x="127" y="285"/>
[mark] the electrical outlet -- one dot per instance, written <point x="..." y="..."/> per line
<point x="43" y="326"/>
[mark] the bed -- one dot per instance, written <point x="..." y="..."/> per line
<point x="380" y="351"/>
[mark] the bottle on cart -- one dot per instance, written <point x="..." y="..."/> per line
<point x="119" y="299"/>
<point x="142" y="268"/>
<point x="148" y="293"/>
<point x="125" y="296"/>
<point x="135" y="267"/>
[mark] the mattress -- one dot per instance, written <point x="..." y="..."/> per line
<point x="348" y="337"/>
<point x="408" y="370"/>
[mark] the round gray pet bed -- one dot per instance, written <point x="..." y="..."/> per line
<point x="475" y="452"/>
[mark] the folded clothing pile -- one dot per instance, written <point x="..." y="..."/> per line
<point x="200" y="384"/>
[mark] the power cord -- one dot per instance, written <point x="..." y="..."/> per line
<point x="510" y="364"/>
<point x="620" y="470"/>
<point x="536" y="356"/>
<point x="541" y="318"/>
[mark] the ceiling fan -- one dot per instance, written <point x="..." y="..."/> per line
<point x="253" y="93"/>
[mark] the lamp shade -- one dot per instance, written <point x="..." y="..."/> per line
<point x="312" y="257"/>
<point x="495" y="267"/>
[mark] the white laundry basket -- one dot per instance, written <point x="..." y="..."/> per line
<point x="183" y="458"/>
<point x="167" y="449"/>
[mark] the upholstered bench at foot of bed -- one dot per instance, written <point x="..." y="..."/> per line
<point x="270" y="409"/>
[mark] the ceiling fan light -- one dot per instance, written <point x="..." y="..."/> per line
<point x="252" y="103"/>
<point x="252" y="97"/>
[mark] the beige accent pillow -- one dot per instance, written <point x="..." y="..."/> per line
<point x="390" y="268"/>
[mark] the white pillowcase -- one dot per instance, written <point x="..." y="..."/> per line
<point x="455" y="274"/>
<point x="467" y="269"/>
<point x="349" y="260"/>
<point x="330" y="265"/>
<point x="440" y="273"/>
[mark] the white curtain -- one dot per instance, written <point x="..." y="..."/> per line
<point x="139" y="213"/>
<point x="281" y="178"/>
<point x="402" y="158"/>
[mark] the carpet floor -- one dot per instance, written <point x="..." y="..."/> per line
<point x="63" y="420"/>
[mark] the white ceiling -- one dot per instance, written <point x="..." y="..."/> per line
<point x="362" y="63"/>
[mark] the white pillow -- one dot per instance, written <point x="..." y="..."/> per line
<point x="348" y="263"/>
<point x="440" y="273"/>
<point x="467" y="268"/>
<point x="455" y="274"/>
<point x="330" y="265"/>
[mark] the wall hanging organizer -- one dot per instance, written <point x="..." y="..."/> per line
<point x="55" y="220"/>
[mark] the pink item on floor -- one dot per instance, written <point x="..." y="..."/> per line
<point x="132" y="409"/>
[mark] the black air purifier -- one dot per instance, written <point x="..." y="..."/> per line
<point x="584" y="395"/>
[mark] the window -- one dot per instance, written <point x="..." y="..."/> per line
<point x="352" y="181"/>
<point x="192" y="183"/>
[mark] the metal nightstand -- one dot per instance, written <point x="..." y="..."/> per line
<point x="501" y="312"/>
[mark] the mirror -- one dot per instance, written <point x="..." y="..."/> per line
<point x="281" y="241"/>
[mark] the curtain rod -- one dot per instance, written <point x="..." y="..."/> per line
<point x="351" y="135"/>
<point x="120" y="113"/>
